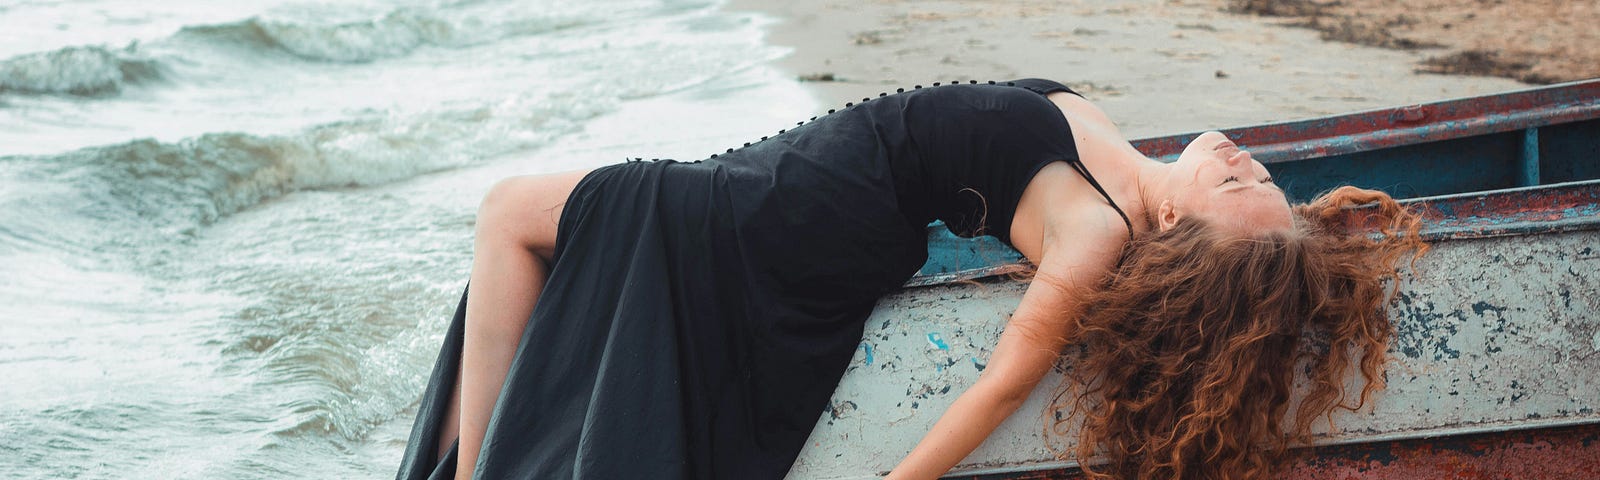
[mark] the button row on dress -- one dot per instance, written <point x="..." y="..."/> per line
<point x="864" y="101"/>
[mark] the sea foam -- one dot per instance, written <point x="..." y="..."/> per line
<point x="91" y="70"/>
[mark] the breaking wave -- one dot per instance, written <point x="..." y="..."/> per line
<point x="212" y="231"/>
<point x="394" y="34"/>
<point x="337" y="37"/>
<point x="77" y="71"/>
<point x="171" y="188"/>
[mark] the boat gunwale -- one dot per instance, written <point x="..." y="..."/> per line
<point x="1387" y="127"/>
<point x="1556" y="208"/>
<point x="1430" y="434"/>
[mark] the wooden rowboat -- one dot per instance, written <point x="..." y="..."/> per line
<point x="1496" y="371"/>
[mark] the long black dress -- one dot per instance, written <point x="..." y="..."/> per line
<point x="698" y="316"/>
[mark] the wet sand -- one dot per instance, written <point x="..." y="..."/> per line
<point x="1164" y="68"/>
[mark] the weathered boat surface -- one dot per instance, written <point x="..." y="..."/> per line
<point x="1496" y="372"/>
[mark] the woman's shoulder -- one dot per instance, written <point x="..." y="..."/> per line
<point x="1086" y="241"/>
<point x="1089" y="235"/>
<point x="1060" y="208"/>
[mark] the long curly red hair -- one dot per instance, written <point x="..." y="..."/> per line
<point x="1189" y="352"/>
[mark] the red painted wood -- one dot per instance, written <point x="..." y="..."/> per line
<point x="1560" y="453"/>
<point x="1406" y="125"/>
<point x="1553" y="208"/>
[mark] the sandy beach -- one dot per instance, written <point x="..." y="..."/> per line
<point x="236" y="231"/>
<point x="1155" y="67"/>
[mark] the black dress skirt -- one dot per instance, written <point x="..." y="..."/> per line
<point x="698" y="315"/>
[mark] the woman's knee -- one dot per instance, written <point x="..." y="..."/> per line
<point x="504" y="195"/>
<point x="496" y="210"/>
<point x="522" y="211"/>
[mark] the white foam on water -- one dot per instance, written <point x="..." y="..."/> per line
<point x="289" y="69"/>
<point x="242" y="266"/>
<point x="76" y="70"/>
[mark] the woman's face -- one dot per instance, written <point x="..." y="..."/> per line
<point x="1216" y="179"/>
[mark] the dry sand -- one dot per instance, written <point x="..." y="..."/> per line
<point x="1156" y="67"/>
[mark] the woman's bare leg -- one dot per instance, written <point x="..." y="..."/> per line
<point x="515" y="237"/>
<point x="450" y="427"/>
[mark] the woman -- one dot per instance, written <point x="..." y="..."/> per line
<point x="690" y="320"/>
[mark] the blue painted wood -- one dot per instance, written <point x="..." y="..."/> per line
<point x="1530" y="157"/>
<point x="1569" y="152"/>
<point x="949" y="254"/>
<point x="1484" y="162"/>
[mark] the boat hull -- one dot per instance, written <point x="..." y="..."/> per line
<point x="1496" y="354"/>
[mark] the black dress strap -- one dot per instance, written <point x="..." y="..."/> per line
<point x="1077" y="164"/>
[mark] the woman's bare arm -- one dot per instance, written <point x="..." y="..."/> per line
<point x="1027" y="350"/>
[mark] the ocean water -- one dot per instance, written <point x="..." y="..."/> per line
<point x="231" y="233"/>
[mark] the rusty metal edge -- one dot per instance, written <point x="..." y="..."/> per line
<point x="966" y="275"/>
<point x="1556" y="208"/>
<point x="1392" y="126"/>
<point x="1068" y="466"/>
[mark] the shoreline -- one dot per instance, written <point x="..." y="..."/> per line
<point x="1155" y="69"/>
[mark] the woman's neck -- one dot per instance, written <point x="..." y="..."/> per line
<point x="1150" y="180"/>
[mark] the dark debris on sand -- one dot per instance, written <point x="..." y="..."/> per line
<point x="1534" y="41"/>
